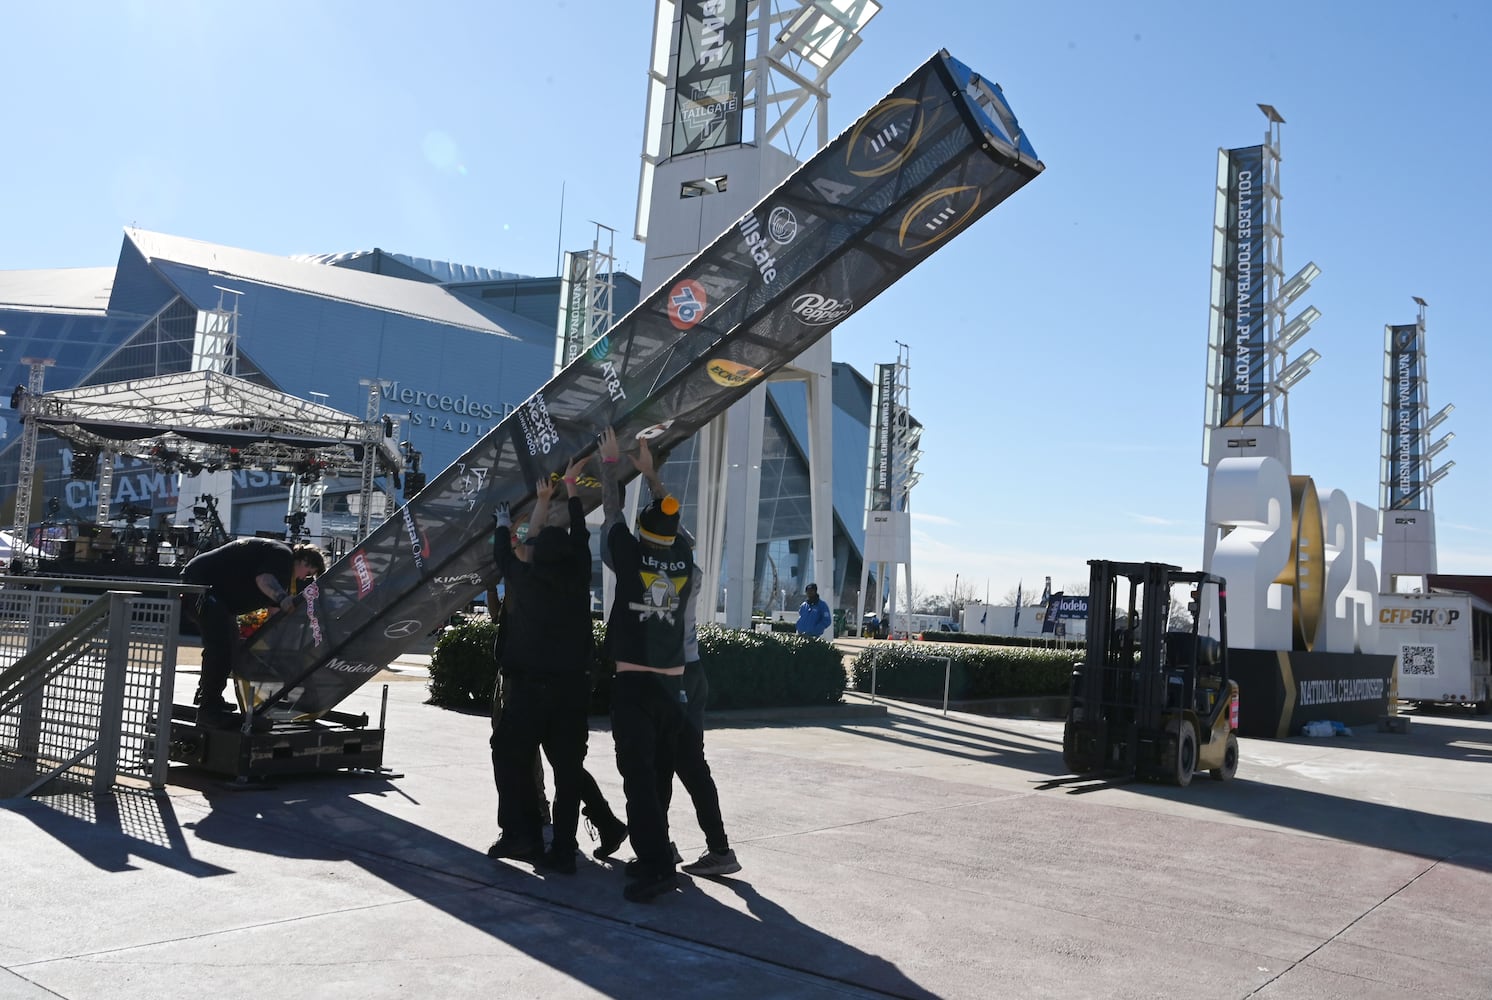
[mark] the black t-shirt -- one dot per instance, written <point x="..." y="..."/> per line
<point x="230" y="570"/>
<point x="653" y="589"/>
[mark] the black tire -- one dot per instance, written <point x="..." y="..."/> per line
<point x="1075" y="760"/>
<point x="1230" y="761"/>
<point x="1186" y="754"/>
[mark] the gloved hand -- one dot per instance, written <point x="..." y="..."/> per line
<point x="503" y="516"/>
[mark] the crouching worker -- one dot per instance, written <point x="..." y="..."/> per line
<point x="242" y="576"/>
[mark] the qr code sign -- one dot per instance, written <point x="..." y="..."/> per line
<point x="1418" y="661"/>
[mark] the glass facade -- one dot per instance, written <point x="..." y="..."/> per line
<point x="454" y="349"/>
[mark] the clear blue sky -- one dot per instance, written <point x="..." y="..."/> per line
<point x="1058" y="348"/>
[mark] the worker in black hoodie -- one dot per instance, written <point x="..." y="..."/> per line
<point x="547" y="657"/>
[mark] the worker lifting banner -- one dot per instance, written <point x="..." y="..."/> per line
<point x="939" y="152"/>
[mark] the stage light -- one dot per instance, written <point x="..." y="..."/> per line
<point x="1439" y="417"/>
<point x="1440" y="445"/>
<point x="1297" y="285"/>
<point x="1439" y="473"/>
<point x="1297" y="370"/>
<point x="1298" y="327"/>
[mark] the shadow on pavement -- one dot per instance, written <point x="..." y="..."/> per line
<point x="324" y="819"/>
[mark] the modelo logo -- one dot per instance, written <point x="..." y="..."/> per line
<point x="819" y="310"/>
<point x="732" y="374"/>
<point x="885" y="138"/>
<point x="1405" y="520"/>
<point x="351" y="667"/>
<point x="938" y="214"/>
<point x="1441" y="617"/>
<point x="687" y="302"/>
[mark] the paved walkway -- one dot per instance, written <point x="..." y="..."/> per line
<point x="910" y="854"/>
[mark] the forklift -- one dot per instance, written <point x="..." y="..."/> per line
<point x="1152" y="698"/>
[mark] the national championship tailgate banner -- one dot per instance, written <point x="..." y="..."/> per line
<point x="1403" y="411"/>
<point x="711" y="74"/>
<point x="942" y="150"/>
<point x="1242" y="392"/>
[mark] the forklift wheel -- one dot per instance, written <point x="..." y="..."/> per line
<point x="1186" y="753"/>
<point x="1230" y="761"/>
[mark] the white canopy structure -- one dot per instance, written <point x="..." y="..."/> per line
<point x="207" y="421"/>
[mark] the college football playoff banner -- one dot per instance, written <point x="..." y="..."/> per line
<point x="1402" y="432"/>
<point x="711" y="75"/>
<point x="942" y="150"/>
<point x="1242" y="390"/>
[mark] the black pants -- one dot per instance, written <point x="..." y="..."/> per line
<point x="548" y="713"/>
<point x="696" y="693"/>
<point x="220" y="641"/>
<point x="647" y="719"/>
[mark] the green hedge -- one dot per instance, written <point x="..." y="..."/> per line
<point x="463" y="671"/>
<point x="1022" y="641"/>
<point x="915" y="670"/>
<point x="745" y="669"/>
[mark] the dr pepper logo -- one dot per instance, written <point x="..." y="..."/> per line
<point x="686" y="303"/>
<point x="936" y="215"/>
<point x="885" y="137"/>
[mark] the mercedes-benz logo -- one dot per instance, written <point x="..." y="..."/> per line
<point x="403" y="630"/>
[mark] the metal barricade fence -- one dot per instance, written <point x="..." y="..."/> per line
<point x="86" y="683"/>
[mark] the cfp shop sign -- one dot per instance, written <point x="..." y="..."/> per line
<point x="1295" y="561"/>
<point x="444" y="412"/>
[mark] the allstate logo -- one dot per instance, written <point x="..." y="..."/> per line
<point x="782" y="225"/>
<point x="687" y="302"/>
<point x="600" y="349"/>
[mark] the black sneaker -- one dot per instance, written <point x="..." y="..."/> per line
<point x="650" y="887"/>
<point x="633" y="868"/>
<point x="514" y="849"/>
<point x="561" y="862"/>
<point x="715" y="863"/>
<point x="217" y="715"/>
<point x="610" y="833"/>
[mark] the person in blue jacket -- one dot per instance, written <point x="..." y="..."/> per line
<point x="813" y="614"/>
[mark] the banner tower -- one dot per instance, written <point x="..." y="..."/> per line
<point x="1249" y="372"/>
<point x="1408" y="510"/>
<point x="737" y="96"/>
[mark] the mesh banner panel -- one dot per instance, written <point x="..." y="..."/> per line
<point x="936" y="154"/>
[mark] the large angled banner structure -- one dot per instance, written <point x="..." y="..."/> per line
<point x="939" y="152"/>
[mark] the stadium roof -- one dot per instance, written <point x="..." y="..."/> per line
<point x="418" y="299"/>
